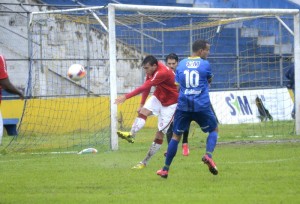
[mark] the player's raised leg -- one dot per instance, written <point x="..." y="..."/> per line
<point x="137" y="125"/>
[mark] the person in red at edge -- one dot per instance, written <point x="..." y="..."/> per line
<point x="162" y="103"/>
<point x="8" y="86"/>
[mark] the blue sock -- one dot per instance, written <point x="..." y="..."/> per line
<point x="211" y="143"/>
<point x="171" y="152"/>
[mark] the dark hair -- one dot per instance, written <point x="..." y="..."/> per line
<point x="199" y="44"/>
<point x="172" y="56"/>
<point x="150" y="59"/>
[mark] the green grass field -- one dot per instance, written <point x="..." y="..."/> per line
<point x="248" y="173"/>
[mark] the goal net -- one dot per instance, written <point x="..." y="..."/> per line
<point x="250" y="52"/>
<point x="62" y="115"/>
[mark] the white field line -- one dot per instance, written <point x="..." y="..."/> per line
<point x="71" y="152"/>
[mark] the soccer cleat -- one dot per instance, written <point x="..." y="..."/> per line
<point x="126" y="136"/>
<point x="211" y="165"/>
<point x="165" y="154"/>
<point x="185" y="149"/>
<point x="139" y="166"/>
<point x="162" y="173"/>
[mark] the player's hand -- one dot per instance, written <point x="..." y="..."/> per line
<point x="120" y="99"/>
<point x="22" y="97"/>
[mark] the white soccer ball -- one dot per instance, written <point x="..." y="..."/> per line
<point x="76" y="72"/>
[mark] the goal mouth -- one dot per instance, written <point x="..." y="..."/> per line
<point x="251" y="49"/>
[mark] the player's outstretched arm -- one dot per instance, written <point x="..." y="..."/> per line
<point x="9" y="87"/>
<point x="120" y="99"/>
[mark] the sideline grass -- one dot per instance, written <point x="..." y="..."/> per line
<point x="252" y="173"/>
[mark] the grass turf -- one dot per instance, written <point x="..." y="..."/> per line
<point x="248" y="173"/>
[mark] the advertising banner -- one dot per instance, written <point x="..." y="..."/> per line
<point x="252" y="106"/>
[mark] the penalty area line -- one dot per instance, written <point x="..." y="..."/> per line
<point x="70" y="152"/>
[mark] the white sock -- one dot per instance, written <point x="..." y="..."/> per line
<point x="153" y="149"/>
<point x="137" y="125"/>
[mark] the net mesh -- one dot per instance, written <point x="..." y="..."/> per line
<point x="247" y="53"/>
<point x="249" y="56"/>
<point x="62" y="114"/>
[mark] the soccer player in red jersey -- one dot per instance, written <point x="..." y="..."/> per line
<point x="162" y="103"/>
<point x="8" y="86"/>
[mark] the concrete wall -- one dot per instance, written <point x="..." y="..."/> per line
<point x="49" y="77"/>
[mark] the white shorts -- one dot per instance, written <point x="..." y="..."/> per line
<point x="164" y="113"/>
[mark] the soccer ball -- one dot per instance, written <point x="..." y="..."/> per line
<point x="76" y="72"/>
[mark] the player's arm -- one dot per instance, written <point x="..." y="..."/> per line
<point x="177" y="79"/>
<point x="146" y="86"/>
<point x="145" y="95"/>
<point x="210" y="79"/>
<point x="210" y="76"/>
<point x="10" y="88"/>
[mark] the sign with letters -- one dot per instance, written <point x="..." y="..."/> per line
<point x="235" y="107"/>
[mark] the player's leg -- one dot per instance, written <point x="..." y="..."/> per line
<point x="140" y="121"/>
<point x="138" y="124"/>
<point x="155" y="146"/>
<point x="151" y="106"/>
<point x="181" y="121"/>
<point x="165" y="118"/>
<point x="171" y="152"/>
<point x="185" y="144"/>
<point x="166" y="113"/>
<point x="208" y="123"/>
<point x="169" y="133"/>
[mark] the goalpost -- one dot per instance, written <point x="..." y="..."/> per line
<point x="251" y="49"/>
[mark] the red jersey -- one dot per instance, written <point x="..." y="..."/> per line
<point x="3" y="72"/>
<point x="164" y="80"/>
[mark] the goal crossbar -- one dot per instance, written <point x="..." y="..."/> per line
<point x="142" y="8"/>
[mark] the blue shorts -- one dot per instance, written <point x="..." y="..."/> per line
<point x="206" y="119"/>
